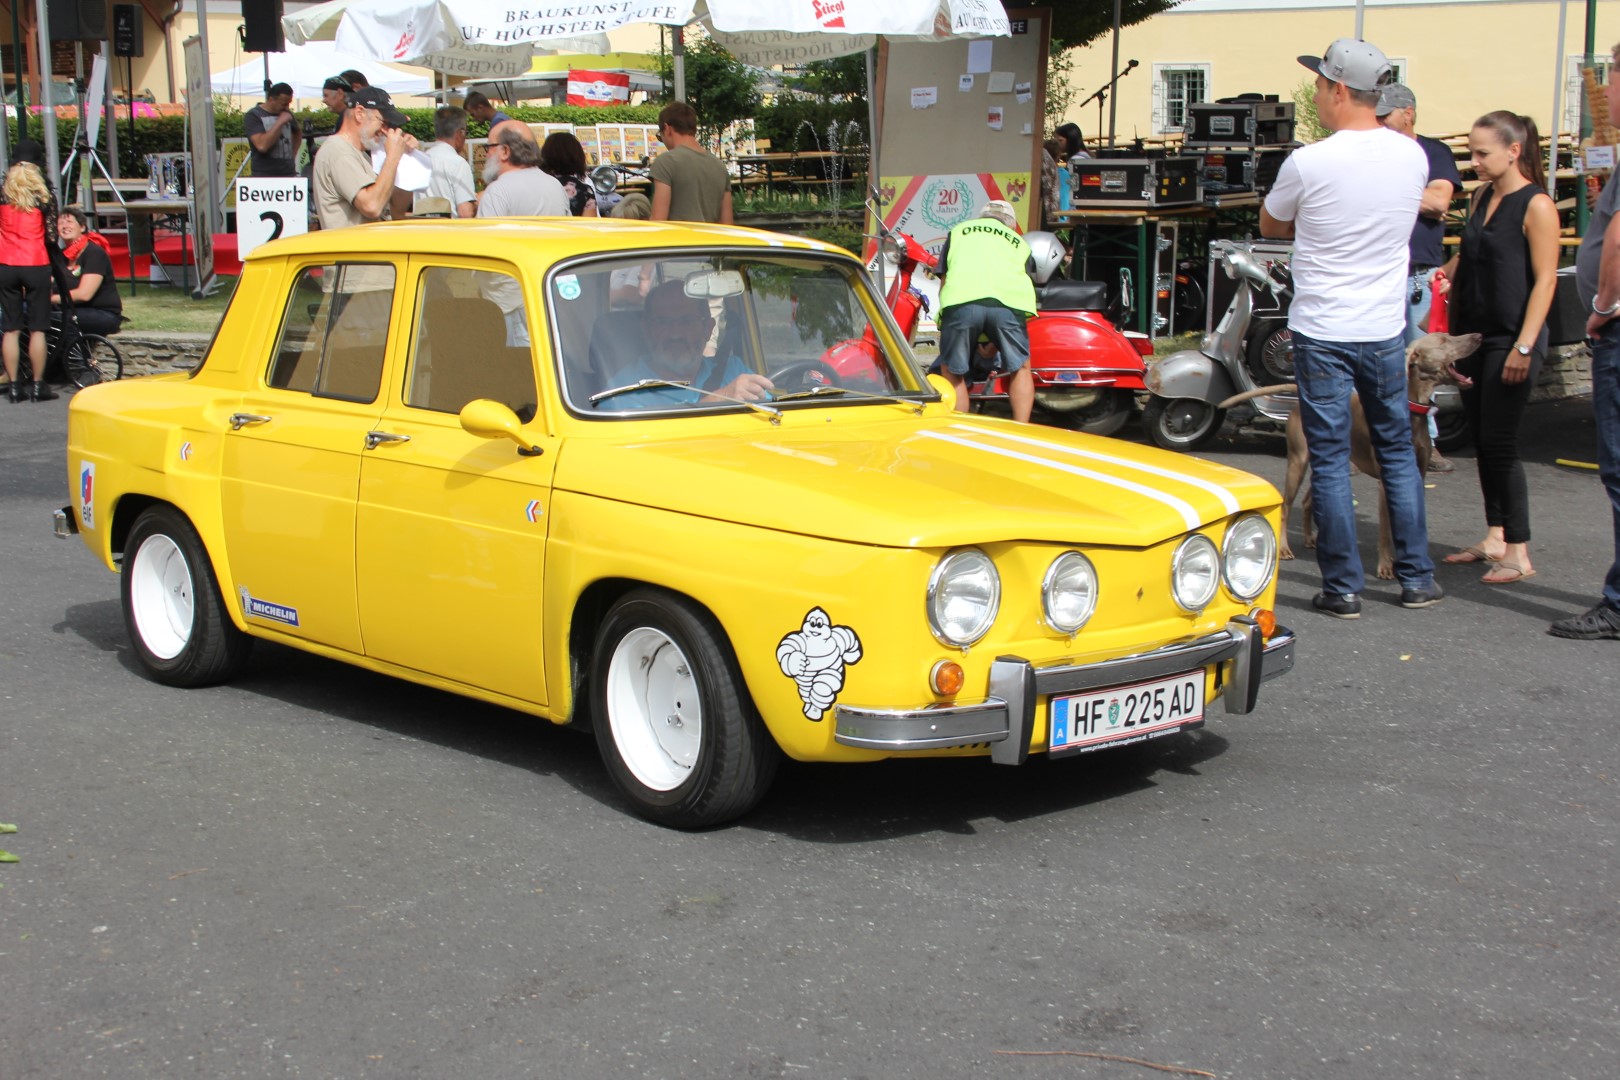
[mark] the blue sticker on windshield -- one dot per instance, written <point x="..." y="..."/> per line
<point x="568" y="287"/>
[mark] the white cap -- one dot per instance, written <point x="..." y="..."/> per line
<point x="1002" y="211"/>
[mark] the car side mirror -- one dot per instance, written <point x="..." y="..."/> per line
<point x="489" y="419"/>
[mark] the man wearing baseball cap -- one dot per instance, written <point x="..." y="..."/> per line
<point x="986" y="288"/>
<point x="1349" y="202"/>
<point x="346" y="190"/>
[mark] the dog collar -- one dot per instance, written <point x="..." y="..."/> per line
<point x="1419" y="409"/>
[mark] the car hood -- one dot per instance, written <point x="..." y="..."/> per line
<point x="918" y="482"/>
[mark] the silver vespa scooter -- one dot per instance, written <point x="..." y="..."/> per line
<point x="1188" y="386"/>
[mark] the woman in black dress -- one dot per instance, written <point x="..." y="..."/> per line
<point x="1501" y="285"/>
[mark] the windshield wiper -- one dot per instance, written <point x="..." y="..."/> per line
<point x="645" y="384"/>
<point x="820" y="391"/>
<point x="642" y="385"/>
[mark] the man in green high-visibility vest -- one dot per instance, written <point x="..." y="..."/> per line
<point x="987" y="289"/>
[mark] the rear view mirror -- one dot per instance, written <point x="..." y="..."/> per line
<point x="491" y="420"/>
<point x="714" y="284"/>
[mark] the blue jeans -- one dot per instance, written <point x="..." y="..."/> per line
<point x="1418" y="310"/>
<point x="1329" y="371"/>
<point x="1606" y="407"/>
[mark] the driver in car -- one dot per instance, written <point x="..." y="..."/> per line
<point x="677" y="328"/>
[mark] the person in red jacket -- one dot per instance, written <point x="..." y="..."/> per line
<point x="27" y="225"/>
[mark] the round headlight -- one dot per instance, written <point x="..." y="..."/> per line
<point x="964" y="593"/>
<point x="1195" y="572"/>
<point x="1249" y="556"/>
<point x="1069" y="593"/>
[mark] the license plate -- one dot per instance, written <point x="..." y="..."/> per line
<point x="1127" y="714"/>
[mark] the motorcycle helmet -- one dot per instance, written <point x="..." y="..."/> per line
<point x="1048" y="251"/>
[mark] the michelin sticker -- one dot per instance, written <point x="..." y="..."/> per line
<point x="263" y="609"/>
<point x="814" y="657"/>
<point x="87" y="494"/>
<point x="568" y="287"/>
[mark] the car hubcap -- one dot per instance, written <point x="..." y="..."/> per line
<point x="161" y="597"/>
<point x="654" y="709"/>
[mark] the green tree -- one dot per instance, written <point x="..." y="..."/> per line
<point x="1060" y="89"/>
<point x="1078" y="22"/>
<point x="1307" y="125"/>
<point x="719" y="86"/>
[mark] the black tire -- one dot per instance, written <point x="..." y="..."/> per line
<point x="1270" y="353"/>
<point x="667" y="655"/>
<point x="1455" y="434"/>
<point x="1191" y="310"/>
<point x="1104" y="416"/>
<point x="173" y="609"/>
<point x="92" y="359"/>
<point x="1181" y="423"/>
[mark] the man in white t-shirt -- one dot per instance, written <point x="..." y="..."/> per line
<point x="1349" y="203"/>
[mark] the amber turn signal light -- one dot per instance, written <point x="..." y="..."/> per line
<point x="1267" y="621"/>
<point x="947" y="678"/>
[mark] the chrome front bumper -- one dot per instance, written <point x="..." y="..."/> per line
<point x="1006" y="718"/>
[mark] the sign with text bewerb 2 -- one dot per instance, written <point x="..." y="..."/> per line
<point x="268" y="208"/>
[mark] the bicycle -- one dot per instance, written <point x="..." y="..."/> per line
<point x="80" y="358"/>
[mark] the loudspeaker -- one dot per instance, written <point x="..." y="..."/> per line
<point x="77" y="20"/>
<point x="261" y="21"/>
<point x="129" y="31"/>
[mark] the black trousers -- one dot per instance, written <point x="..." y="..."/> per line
<point x="1495" y="410"/>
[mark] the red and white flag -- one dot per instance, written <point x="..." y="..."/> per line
<point x="598" y="88"/>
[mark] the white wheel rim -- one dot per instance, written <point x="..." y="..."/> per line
<point x="654" y="710"/>
<point x="161" y="596"/>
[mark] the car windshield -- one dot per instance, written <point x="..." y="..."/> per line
<point x="653" y="332"/>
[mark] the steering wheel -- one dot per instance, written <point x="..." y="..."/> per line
<point x="804" y="375"/>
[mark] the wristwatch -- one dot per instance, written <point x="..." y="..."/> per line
<point x="1521" y="348"/>
<point x="1607" y="312"/>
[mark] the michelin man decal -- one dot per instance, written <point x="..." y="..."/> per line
<point x="814" y="657"/>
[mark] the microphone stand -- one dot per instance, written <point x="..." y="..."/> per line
<point x="1101" y="96"/>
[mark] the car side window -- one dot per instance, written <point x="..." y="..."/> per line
<point x="464" y="346"/>
<point x="334" y="332"/>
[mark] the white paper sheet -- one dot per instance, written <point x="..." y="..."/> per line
<point x="924" y="96"/>
<point x="414" y="173"/>
<point x="979" y="55"/>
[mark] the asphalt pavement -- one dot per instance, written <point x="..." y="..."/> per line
<point x="1403" y="864"/>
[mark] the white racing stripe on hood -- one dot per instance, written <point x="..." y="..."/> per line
<point x="1185" y="509"/>
<point x="1227" y="499"/>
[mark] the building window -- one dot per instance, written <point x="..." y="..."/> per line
<point x="1397" y="64"/>
<point x="1575" y="86"/>
<point x="1176" y="86"/>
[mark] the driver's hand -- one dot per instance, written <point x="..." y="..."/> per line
<point x="749" y="386"/>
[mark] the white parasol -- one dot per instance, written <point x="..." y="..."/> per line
<point x="456" y="37"/>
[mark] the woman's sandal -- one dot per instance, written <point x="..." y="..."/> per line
<point x="1506" y="574"/>
<point x="1470" y="555"/>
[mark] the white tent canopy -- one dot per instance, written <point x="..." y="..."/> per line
<point x="402" y="29"/>
<point x="306" y="67"/>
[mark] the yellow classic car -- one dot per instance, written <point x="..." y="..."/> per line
<point x="682" y="486"/>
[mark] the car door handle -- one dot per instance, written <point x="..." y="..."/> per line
<point x="375" y="439"/>
<point x="241" y="420"/>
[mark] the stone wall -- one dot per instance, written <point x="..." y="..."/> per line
<point x="149" y="354"/>
<point x="1567" y="373"/>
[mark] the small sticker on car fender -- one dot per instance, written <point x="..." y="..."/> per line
<point x="534" y="511"/>
<point x="87" y="494"/>
<point x="568" y="287"/>
<point x="254" y="608"/>
<point x="814" y="657"/>
<point x="185" y="451"/>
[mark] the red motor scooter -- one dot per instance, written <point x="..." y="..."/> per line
<point x="1087" y="370"/>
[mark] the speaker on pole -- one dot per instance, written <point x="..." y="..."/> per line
<point x="261" y="20"/>
<point x="128" y="36"/>
<point x="77" y="20"/>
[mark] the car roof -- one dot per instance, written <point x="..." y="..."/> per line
<point x="549" y="238"/>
